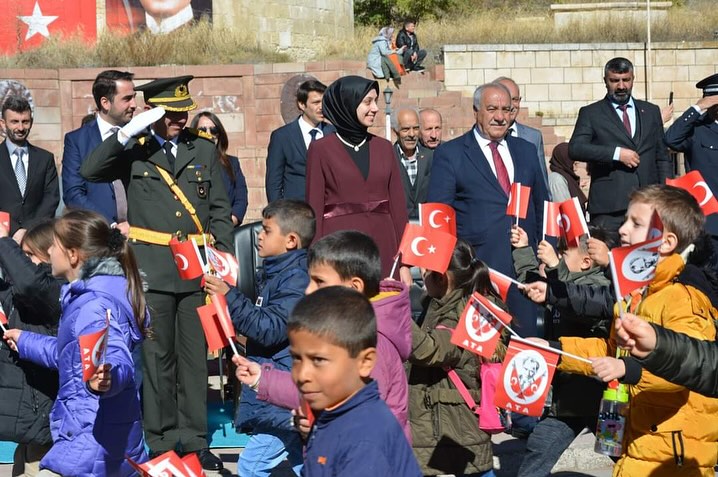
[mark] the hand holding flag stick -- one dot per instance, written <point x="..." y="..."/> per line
<point x="3" y="319"/>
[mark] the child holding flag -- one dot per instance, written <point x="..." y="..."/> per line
<point x="287" y="230"/>
<point x="94" y="423"/>
<point x="669" y="429"/>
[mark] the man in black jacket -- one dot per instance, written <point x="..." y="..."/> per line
<point x="413" y="55"/>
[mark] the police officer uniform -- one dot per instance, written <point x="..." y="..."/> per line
<point x="695" y="134"/>
<point x="174" y="188"/>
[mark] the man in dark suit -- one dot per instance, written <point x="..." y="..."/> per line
<point x="414" y="160"/>
<point x="28" y="176"/>
<point x="695" y="134"/>
<point x="174" y="189"/>
<point x="287" y="151"/>
<point x="621" y="139"/>
<point x="527" y="133"/>
<point x="114" y="94"/>
<point x="473" y="173"/>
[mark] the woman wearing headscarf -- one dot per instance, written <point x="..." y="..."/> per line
<point x="353" y="179"/>
<point x="378" y="60"/>
<point x="562" y="180"/>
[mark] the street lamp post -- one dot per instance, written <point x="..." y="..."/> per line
<point x="387" y="99"/>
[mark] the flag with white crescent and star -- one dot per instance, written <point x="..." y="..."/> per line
<point x="573" y="222"/>
<point x="187" y="258"/>
<point x="426" y="247"/>
<point x="694" y="183"/>
<point x="438" y="216"/>
<point x="552" y="223"/>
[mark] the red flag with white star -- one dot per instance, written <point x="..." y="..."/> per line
<point x="518" y="205"/>
<point x="25" y="24"/>
<point x="552" y="224"/>
<point x="187" y="258"/>
<point x="426" y="247"/>
<point x="573" y="221"/>
<point x="694" y="183"/>
<point x="438" y="216"/>
<point x="525" y="377"/>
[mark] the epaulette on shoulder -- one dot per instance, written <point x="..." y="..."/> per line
<point x="199" y="133"/>
<point x="142" y="140"/>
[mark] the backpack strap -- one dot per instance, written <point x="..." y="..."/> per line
<point x="458" y="383"/>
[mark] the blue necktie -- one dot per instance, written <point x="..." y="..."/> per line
<point x="20" y="172"/>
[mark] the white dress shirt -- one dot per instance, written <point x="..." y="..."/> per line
<point x="503" y="152"/>
<point x="306" y="128"/>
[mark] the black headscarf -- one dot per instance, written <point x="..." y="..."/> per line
<point x="340" y="103"/>
<point x="562" y="163"/>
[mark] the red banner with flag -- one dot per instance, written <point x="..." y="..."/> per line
<point x="425" y="247"/>
<point x="573" y="221"/>
<point x="525" y="378"/>
<point x="5" y="220"/>
<point x="694" y="183"/>
<point x="187" y="258"/>
<point x="552" y="224"/>
<point x="224" y="264"/>
<point x="438" y="216"/>
<point x="634" y="266"/>
<point x="518" y="201"/>
<point x="480" y="326"/>
<point x="92" y="351"/>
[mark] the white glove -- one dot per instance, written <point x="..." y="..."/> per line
<point x="139" y="123"/>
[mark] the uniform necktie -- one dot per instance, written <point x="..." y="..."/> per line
<point x="20" y="172"/>
<point x="313" y="133"/>
<point x="626" y="120"/>
<point x="119" y="189"/>
<point x="167" y="146"/>
<point x="501" y="173"/>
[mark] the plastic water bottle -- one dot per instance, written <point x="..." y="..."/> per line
<point x="611" y="420"/>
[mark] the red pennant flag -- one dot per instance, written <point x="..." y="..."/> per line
<point x="3" y="316"/>
<point x="192" y="465"/>
<point x="634" y="266"/>
<point x="552" y="223"/>
<point x="655" y="228"/>
<point x="518" y="201"/>
<point x="438" y="216"/>
<point x="225" y="321"/>
<point x="525" y="378"/>
<point x="308" y="412"/>
<point x="224" y="264"/>
<point x="694" y="183"/>
<point x="500" y="282"/>
<point x="165" y="465"/>
<point x="212" y="328"/>
<point x="5" y="220"/>
<point x="187" y="258"/>
<point x="572" y="220"/>
<point x="479" y="327"/>
<point x="92" y="350"/>
<point x="26" y="24"/>
<point x="426" y="247"/>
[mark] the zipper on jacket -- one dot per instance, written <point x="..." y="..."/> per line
<point x="678" y="456"/>
<point x="434" y="415"/>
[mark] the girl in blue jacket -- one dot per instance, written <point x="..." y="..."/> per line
<point x="93" y="424"/>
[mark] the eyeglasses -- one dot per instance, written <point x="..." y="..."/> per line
<point x="213" y="130"/>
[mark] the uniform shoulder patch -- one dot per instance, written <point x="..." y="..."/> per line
<point x="199" y="133"/>
<point x="142" y="140"/>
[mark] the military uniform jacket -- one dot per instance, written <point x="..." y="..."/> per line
<point x="696" y="135"/>
<point x="152" y="205"/>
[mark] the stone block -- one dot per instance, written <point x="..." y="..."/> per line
<point x="685" y="57"/>
<point x="288" y="68"/>
<point x="664" y="58"/>
<point x="698" y="72"/>
<point x="267" y="91"/>
<point x="521" y="76"/>
<point x="547" y="75"/>
<point x="233" y="123"/>
<point x="581" y="92"/>
<point x="483" y="59"/>
<point x="560" y="59"/>
<point x="422" y="93"/>
<point x="46" y="115"/>
<point x="525" y="59"/>
<point x="537" y="92"/>
<point x="706" y="56"/>
<point x="453" y="61"/>
<point x="572" y="75"/>
<point x="675" y="73"/>
<point x="455" y="78"/>
<point x="46" y="97"/>
<point x="542" y="59"/>
<point x="505" y="59"/>
<point x="581" y="58"/>
<point x="46" y="132"/>
<point x="476" y="77"/>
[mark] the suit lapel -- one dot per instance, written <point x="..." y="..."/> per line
<point x="404" y="174"/>
<point x="476" y="157"/>
<point x="185" y="154"/>
<point x="615" y="121"/>
<point x="6" y="169"/>
<point x="156" y="155"/>
<point x="298" y="139"/>
<point x="33" y="168"/>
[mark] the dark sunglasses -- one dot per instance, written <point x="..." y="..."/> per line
<point x="213" y="130"/>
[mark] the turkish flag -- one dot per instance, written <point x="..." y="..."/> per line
<point x="224" y="264"/>
<point x="552" y="224"/>
<point x="525" y="378"/>
<point x="479" y="327"/>
<point x="518" y="201"/>
<point x="5" y="220"/>
<point x="3" y="316"/>
<point x="634" y="266"/>
<point x="25" y="24"/>
<point x="500" y="282"/>
<point x="438" y="216"/>
<point x="213" y="331"/>
<point x="426" y="247"/>
<point x="308" y="412"/>
<point x="92" y="351"/>
<point x="166" y="465"/>
<point x="192" y="465"/>
<point x="573" y="221"/>
<point x="222" y="311"/>
<point x="187" y="258"/>
<point x="694" y="183"/>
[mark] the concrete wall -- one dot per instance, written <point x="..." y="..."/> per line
<point x="556" y="80"/>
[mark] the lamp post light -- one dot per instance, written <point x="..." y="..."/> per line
<point x="387" y="99"/>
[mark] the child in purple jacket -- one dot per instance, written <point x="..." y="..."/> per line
<point x="351" y="259"/>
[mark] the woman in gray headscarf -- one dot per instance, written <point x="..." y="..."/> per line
<point x="378" y="59"/>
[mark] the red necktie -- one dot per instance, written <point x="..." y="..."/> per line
<point x="501" y="173"/>
<point x="626" y="121"/>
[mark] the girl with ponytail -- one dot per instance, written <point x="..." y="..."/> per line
<point x="94" y="424"/>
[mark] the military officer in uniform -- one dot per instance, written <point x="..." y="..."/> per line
<point x="174" y="188"/>
<point x="695" y="134"/>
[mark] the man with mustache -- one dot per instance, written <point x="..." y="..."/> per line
<point x="29" y="189"/>
<point x="414" y="159"/>
<point x="621" y="139"/>
<point x="474" y="172"/>
<point x="430" y="121"/>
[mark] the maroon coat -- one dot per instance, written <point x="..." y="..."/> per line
<point x="343" y="200"/>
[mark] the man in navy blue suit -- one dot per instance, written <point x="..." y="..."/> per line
<point x="287" y="151"/>
<point x="114" y="94"/>
<point x="473" y="173"/>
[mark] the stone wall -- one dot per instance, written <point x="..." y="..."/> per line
<point x="556" y="80"/>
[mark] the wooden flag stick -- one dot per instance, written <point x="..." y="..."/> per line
<point x="393" y="267"/>
<point x="554" y="350"/>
